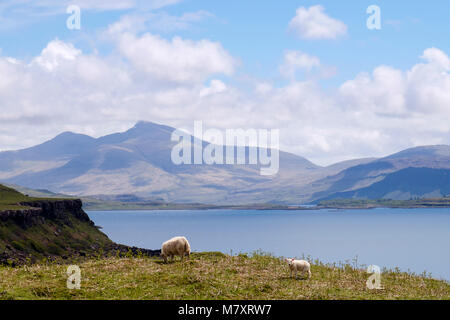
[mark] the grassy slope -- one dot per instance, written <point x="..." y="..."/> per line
<point x="10" y="199"/>
<point x="209" y="276"/>
<point x="37" y="193"/>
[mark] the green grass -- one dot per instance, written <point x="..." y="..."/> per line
<point x="10" y="199"/>
<point x="210" y="276"/>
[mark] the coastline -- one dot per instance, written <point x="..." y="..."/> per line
<point x="343" y="204"/>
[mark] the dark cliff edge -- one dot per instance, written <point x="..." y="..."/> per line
<point x="38" y="211"/>
<point x="54" y="229"/>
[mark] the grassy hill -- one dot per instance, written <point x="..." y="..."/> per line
<point x="210" y="276"/>
<point x="10" y="199"/>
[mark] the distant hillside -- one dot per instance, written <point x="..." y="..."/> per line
<point x="10" y="198"/>
<point x="138" y="163"/>
<point x="404" y="184"/>
<point x="136" y="166"/>
<point x="39" y="193"/>
<point x="368" y="174"/>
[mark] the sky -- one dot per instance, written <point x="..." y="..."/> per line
<point x="336" y="89"/>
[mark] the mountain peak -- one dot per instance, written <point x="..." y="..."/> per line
<point x="146" y="128"/>
<point x="70" y="135"/>
<point x="150" y="125"/>
<point x="142" y="129"/>
<point x="68" y="138"/>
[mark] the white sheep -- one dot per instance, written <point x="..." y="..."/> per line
<point x="175" y="246"/>
<point x="299" y="265"/>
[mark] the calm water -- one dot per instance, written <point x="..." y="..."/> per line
<point x="414" y="239"/>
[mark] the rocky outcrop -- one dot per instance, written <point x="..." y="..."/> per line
<point x="55" y="229"/>
<point x="38" y="211"/>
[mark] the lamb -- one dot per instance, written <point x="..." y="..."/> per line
<point x="299" y="265"/>
<point x="175" y="246"/>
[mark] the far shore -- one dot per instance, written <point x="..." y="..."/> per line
<point x="340" y="204"/>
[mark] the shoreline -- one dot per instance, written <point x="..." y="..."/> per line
<point x="132" y="207"/>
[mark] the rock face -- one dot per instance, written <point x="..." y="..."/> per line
<point x="54" y="229"/>
<point x="46" y="209"/>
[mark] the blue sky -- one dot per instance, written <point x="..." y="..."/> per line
<point x="254" y="39"/>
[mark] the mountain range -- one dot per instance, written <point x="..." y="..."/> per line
<point x="136" y="164"/>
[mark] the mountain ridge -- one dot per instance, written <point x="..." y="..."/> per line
<point x="137" y="162"/>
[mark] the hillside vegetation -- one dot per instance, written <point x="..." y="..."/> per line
<point x="10" y="199"/>
<point x="210" y="276"/>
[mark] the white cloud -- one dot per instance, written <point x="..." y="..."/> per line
<point x="438" y="57"/>
<point x="383" y="92"/>
<point x="297" y="60"/>
<point x="425" y="88"/>
<point x="55" y="53"/>
<point x="178" y="60"/>
<point x="314" y="23"/>
<point x="215" y="86"/>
